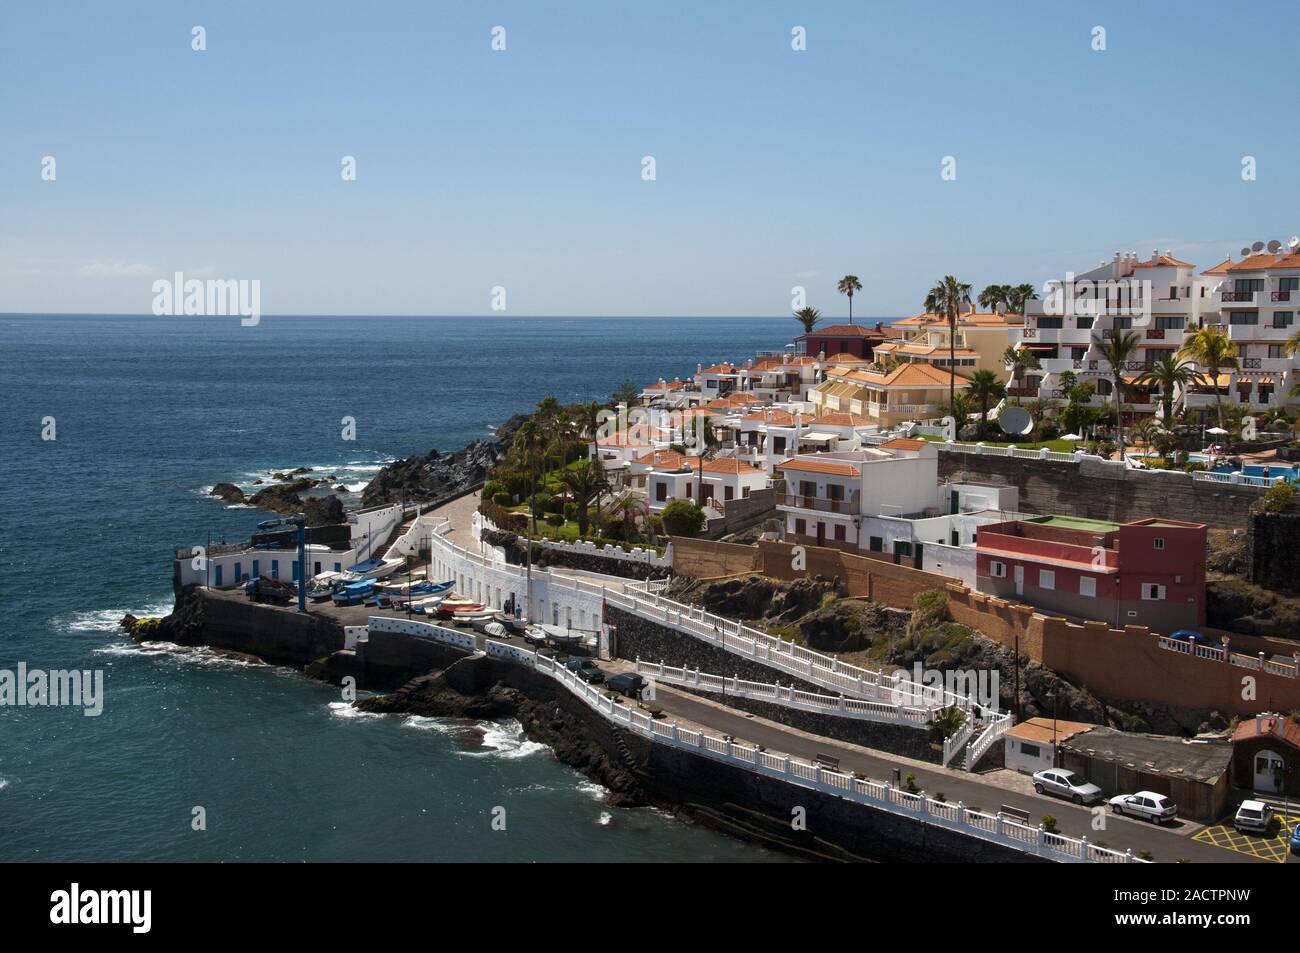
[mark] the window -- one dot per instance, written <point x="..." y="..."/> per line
<point x="728" y="492"/>
<point x="902" y="547"/>
<point x="997" y="570"/>
<point x="876" y="544"/>
<point x="1277" y="350"/>
<point x="661" y="492"/>
<point x="839" y="532"/>
<point x="1046" y="579"/>
<point x="1050" y="322"/>
<point x="1243" y="317"/>
<point x="1084" y="323"/>
<point x="801" y="527"/>
<point x="1124" y="323"/>
<point x="1283" y="319"/>
<point x="1030" y="751"/>
<point x="1087" y="585"/>
<point x="1159" y="542"/>
<point x="834" y="491"/>
<point x="1170" y="322"/>
<point x="1152" y="591"/>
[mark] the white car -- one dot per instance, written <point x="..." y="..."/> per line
<point x="1066" y="784"/>
<point x="1156" y="808"/>
<point x="1253" y="816"/>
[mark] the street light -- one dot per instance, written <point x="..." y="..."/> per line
<point x="300" y="521"/>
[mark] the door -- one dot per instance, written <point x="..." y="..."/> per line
<point x="217" y="581"/>
<point x="1268" y="772"/>
<point x="821" y="534"/>
<point x="275" y="569"/>
<point x="1020" y="580"/>
<point x="256" y="564"/>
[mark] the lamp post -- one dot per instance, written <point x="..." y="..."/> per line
<point x="300" y="521"/>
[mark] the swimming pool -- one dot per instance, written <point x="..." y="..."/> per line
<point x="1282" y="468"/>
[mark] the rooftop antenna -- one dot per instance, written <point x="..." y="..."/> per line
<point x="1257" y="247"/>
<point x="1245" y="252"/>
<point x="1274" y="245"/>
<point x="1294" y="242"/>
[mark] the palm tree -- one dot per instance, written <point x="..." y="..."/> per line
<point x="1020" y="296"/>
<point x="530" y="442"/>
<point x="849" y="285"/>
<point x="1292" y="343"/>
<point x="1018" y="360"/>
<point x="984" y="389"/>
<point x="1117" y="348"/>
<point x="1210" y="348"/>
<point x="947" y="298"/>
<point x="584" y="480"/>
<point x="994" y="296"/>
<point x="1169" y="374"/>
<point x="808" y="317"/>
<point x="588" y="418"/>
<point x="960" y="408"/>
<point x="627" y="393"/>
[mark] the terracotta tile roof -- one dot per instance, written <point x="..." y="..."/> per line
<point x="1164" y="261"/>
<point x="729" y="465"/>
<point x="1267" y="260"/>
<point x="977" y="318"/>
<point x="624" y="438"/>
<point x="840" y="331"/>
<point x="778" y="418"/>
<point x="1220" y="269"/>
<point x="675" y="384"/>
<point x="721" y="369"/>
<point x="907" y="347"/>
<point x="809" y="465"/>
<point x="847" y="359"/>
<point x="1283" y="729"/>
<point x="662" y="458"/>
<point x="902" y="443"/>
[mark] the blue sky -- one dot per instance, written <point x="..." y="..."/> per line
<point x="522" y="168"/>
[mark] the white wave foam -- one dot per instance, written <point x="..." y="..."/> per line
<point x="4" y="783"/>
<point x="441" y="726"/>
<point x="593" y="790"/>
<point x="345" y="710"/>
<point x="109" y="620"/>
<point x="192" y="654"/>
<point x="505" y="740"/>
<point x="605" y="819"/>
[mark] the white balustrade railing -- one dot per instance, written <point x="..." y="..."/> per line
<point x="956" y="743"/>
<point x="1211" y="653"/>
<point x="992" y="828"/>
<point x="993" y="730"/>
<point x="788" y="696"/>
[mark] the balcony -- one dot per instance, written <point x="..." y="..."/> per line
<point x="1282" y="296"/>
<point x="1058" y="365"/>
<point x="915" y="409"/>
<point x="1239" y="297"/>
<point x="1022" y="391"/>
<point x="820" y="504"/>
<point x="1259" y="332"/>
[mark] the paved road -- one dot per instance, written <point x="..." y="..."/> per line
<point x="1166" y="844"/>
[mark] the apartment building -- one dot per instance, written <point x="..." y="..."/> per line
<point x="856" y="340"/>
<point x="978" y="345"/>
<point x="886" y="398"/>
<point x="1256" y="302"/>
<point x="1159" y="298"/>
<point x="1149" y="572"/>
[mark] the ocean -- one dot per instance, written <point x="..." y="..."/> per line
<point x="149" y="413"/>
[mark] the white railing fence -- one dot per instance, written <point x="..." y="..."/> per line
<point x="788" y="696"/>
<point x="1258" y="662"/>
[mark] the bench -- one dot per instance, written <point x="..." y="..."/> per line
<point x="826" y="761"/>
<point x="1014" y="813"/>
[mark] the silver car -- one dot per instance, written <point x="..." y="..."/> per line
<point x="1148" y="805"/>
<point x="1253" y="816"/>
<point x="1066" y="784"/>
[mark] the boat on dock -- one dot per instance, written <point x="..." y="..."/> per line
<point x="372" y="569"/>
<point x="354" y="593"/>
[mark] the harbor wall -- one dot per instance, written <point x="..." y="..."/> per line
<point x="282" y="636"/>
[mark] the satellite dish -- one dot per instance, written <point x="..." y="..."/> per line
<point x="1015" y="420"/>
<point x="1257" y="247"/>
<point x="1274" y="245"/>
<point x="1294" y="243"/>
<point x="1245" y="251"/>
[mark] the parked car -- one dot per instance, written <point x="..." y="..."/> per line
<point x="1066" y="784"/>
<point x="627" y="683"/>
<point x="1147" y="805"/>
<point x="586" y="670"/>
<point x="1196" y="638"/>
<point x="1253" y="816"/>
<point x="1294" y="841"/>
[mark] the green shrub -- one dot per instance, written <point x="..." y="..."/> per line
<point x="555" y="505"/>
<point x="555" y="519"/>
<point x="1195" y="466"/>
<point x="570" y="511"/>
<point x="493" y="488"/>
<point x="538" y="502"/>
<point x="502" y="499"/>
<point x="1280" y="497"/>
<point x="683" y="518"/>
<point x="1049" y="823"/>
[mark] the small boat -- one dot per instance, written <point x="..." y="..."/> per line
<point x="449" y="607"/>
<point x="373" y="569"/>
<point x="558" y="635"/>
<point x="535" y="634"/>
<point x="353" y="593"/>
<point x="323" y="585"/>
<point x="487" y="623"/>
<point x="472" y="615"/>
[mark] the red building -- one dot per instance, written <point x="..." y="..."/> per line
<point x="859" y="340"/>
<point x="1150" y="572"/>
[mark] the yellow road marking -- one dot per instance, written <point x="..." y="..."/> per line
<point x="1273" y="849"/>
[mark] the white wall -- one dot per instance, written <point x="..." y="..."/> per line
<point x="1018" y="760"/>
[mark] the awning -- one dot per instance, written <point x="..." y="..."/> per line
<point x="819" y="436"/>
<point x="1038" y="347"/>
<point x="1266" y="380"/>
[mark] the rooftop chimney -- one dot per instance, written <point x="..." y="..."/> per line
<point x="1155" y="255"/>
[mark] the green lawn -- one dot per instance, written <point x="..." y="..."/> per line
<point x="1057" y="446"/>
<point x="568" y="533"/>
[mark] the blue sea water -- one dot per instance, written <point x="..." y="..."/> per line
<point x="151" y="412"/>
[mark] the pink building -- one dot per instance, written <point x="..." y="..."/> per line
<point x="1150" y="572"/>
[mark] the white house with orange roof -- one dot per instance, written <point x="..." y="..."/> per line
<point x="887" y="398"/>
<point x="686" y="477"/>
<point x="616" y="451"/>
<point x="717" y="380"/>
<point x="663" y="393"/>
<point x="885" y="501"/>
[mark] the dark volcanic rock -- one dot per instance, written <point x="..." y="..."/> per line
<point x="227" y="492"/>
<point x="437" y="475"/>
<point x="283" y="498"/>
